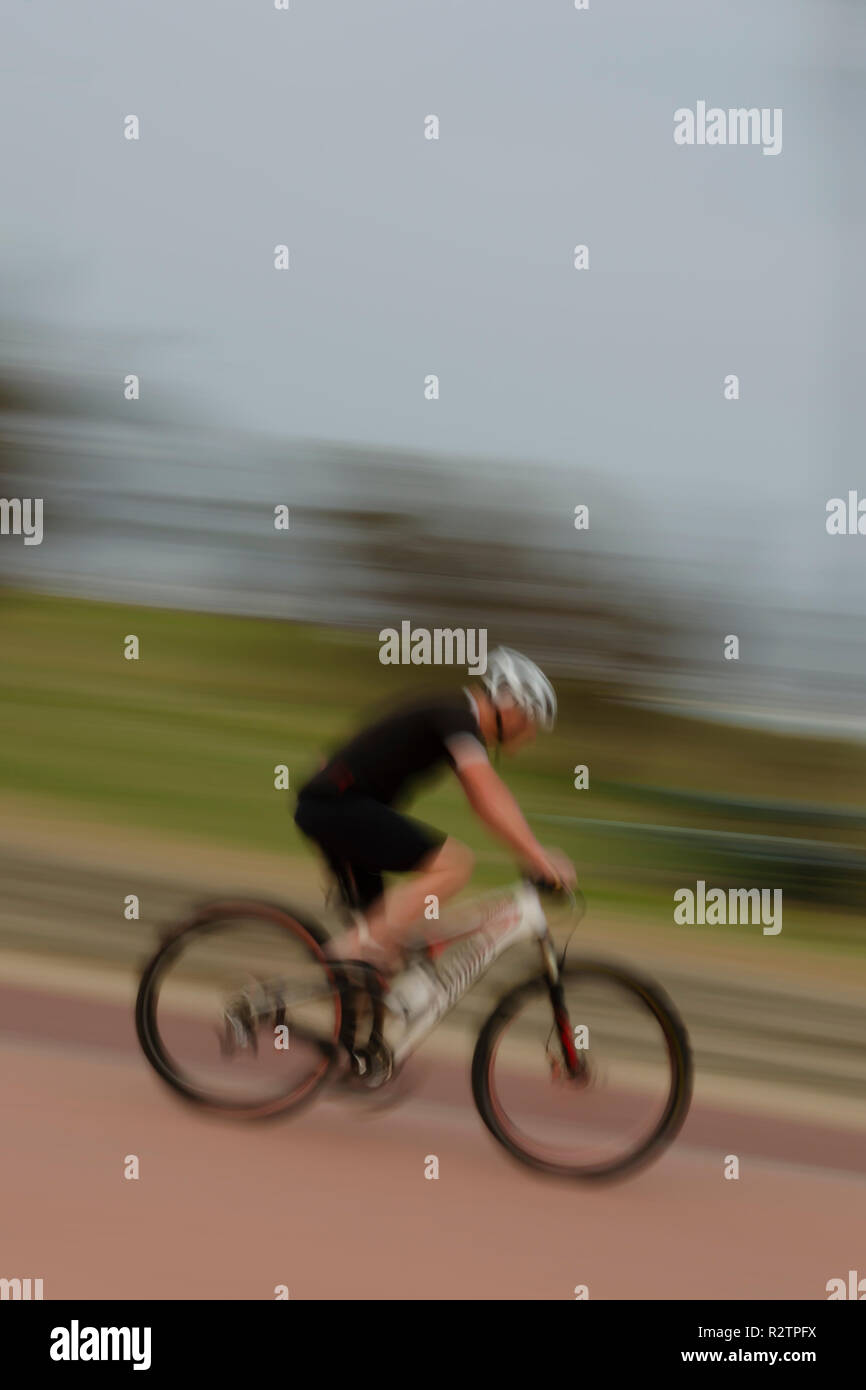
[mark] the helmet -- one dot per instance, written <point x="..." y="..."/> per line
<point x="527" y="685"/>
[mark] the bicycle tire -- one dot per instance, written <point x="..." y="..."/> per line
<point x="208" y="917"/>
<point x="678" y="1049"/>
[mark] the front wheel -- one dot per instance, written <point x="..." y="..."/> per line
<point x="622" y="1104"/>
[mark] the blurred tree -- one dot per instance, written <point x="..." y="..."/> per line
<point x="441" y="558"/>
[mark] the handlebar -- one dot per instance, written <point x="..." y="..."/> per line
<point x="545" y="889"/>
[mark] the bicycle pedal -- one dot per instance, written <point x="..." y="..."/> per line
<point x="368" y="1070"/>
<point x="238" y="1030"/>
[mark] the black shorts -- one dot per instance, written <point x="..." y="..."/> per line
<point x="363" y="838"/>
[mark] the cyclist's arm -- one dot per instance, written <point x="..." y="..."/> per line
<point x="494" y="804"/>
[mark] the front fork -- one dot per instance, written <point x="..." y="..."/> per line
<point x="572" y="1061"/>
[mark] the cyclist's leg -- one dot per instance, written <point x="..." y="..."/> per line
<point x="383" y="924"/>
<point x="440" y="875"/>
<point x="370" y="838"/>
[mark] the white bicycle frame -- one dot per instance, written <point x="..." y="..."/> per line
<point x="498" y="922"/>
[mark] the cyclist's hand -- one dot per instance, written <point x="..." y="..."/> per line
<point x="555" y="868"/>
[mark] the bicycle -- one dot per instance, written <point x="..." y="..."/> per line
<point x="541" y="1064"/>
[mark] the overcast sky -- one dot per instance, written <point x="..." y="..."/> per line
<point x="411" y="256"/>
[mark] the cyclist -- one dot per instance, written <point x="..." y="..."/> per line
<point x="349" y="807"/>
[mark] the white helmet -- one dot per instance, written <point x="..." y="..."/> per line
<point x="527" y="685"/>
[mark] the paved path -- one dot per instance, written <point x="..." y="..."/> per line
<point x="334" y="1203"/>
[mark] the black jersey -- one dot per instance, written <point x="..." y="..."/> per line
<point x="385" y="759"/>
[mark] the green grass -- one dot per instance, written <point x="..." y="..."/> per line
<point x="186" y="739"/>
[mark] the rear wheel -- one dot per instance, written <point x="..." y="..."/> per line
<point x="633" y="1084"/>
<point x="240" y="1010"/>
